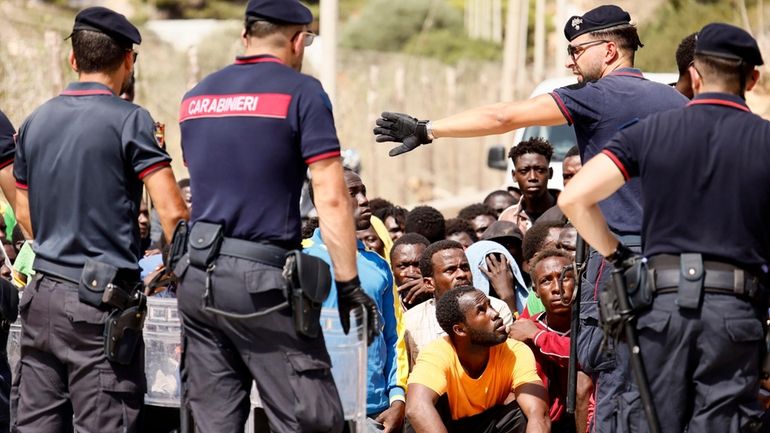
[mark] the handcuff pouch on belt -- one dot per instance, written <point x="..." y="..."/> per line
<point x="99" y="287"/>
<point x="308" y="281"/>
<point x="691" y="276"/>
<point x="178" y="247"/>
<point x="639" y="281"/>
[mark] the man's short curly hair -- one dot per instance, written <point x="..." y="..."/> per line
<point x="459" y="225"/>
<point x="411" y="239"/>
<point x="397" y="212"/>
<point x="468" y="213"/>
<point x="685" y="53"/>
<point x="426" y="221"/>
<point x="448" y="312"/>
<point x="377" y="204"/>
<point x="426" y="261"/>
<point x="542" y="255"/>
<point x="537" y="145"/>
<point x="535" y="237"/>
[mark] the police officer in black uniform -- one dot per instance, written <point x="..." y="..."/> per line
<point x="706" y="189"/>
<point x="81" y="162"/>
<point x="249" y="133"/>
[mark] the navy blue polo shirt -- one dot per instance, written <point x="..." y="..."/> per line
<point x="598" y="109"/>
<point x="7" y="141"/>
<point x="249" y="131"/>
<point x="82" y="157"/>
<point x="705" y="179"/>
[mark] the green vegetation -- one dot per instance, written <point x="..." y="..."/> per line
<point x="673" y="21"/>
<point x="426" y="27"/>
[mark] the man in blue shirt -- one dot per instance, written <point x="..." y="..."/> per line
<point x="610" y="93"/>
<point x="384" y="398"/>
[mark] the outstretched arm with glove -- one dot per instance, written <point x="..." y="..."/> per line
<point x="486" y="120"/>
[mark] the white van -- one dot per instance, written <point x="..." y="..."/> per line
<point x="562" y="137"/>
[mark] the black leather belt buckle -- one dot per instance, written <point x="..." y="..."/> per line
<point x="691" y="276"/>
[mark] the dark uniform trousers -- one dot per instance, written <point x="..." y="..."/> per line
<point x="222" y="356"/>
<point x="609" y="367"/>
<point x="703" y="365"/>
<point x="63" y="370"/>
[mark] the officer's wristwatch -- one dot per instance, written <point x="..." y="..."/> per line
<point x="429" y="130"/>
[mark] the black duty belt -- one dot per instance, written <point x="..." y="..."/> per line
<point x="719" y="277"/>
<point x="267" y="254"/>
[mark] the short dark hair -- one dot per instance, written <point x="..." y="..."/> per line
<point x="397" y="212"/>
<point x="96" y="52"/>
<point x="427" y="221"/>
<point x="448" y="311"/>
<point x="376" y="204"/>
<point x="625" y="36"/>
<point x="685" y="53"/>
<point x="729" y="73"/>
<point x="459" y="225"/>
<point x="496" y="193"/>
<point x="536" y="236"/>
<point x="184" y="183"/>
<point x="537" y="145"/>
<point x="410" y="239"/>
<point x="261" y="29"/>
<point x="426" y="261"/>
<point x="550" y="252"/>
<point x="470" y="212"/>
<point x="573" y="151"/>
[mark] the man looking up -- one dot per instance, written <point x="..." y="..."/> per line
<point x="443" y="266"/>
<point x="385" y="398"/>
<point x="465" y="381"/>
<point x="81" y="349"/>
<point x="610" y="93"/>
<point x="547" y="334"/>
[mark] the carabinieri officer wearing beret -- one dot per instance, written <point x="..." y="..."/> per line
<point x="610" y="93"/>
<point x="706" y="190"/>
<point x="81" y="161"/>
<point x="249" y="133"/>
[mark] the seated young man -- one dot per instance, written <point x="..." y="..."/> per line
<point x="443" y="266"/>
<point x="547" y="334"/>
<point x="467" y="380"/>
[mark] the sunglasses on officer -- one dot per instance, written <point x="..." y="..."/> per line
<point x="575" y="51"/>
<point x="134" y="54"/>
<point x="309" y="37"/>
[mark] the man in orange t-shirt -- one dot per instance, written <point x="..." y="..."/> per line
<point x="467" y="380"/>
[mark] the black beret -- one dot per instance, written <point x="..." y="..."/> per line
<point x="278" y="11"/>
<point x="110" y="23"/>
<point x="600" y="18"/>
<point x="728" y="42"/>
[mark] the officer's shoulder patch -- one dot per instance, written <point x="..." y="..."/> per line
<point x="631" y="122"/>
<point x="327" y="102"/>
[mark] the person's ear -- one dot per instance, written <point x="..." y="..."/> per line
<point x="428" y="282"/>
<point x="695" y="79"/>
<point x="459" y="329"/>
<point x="753" y="79"/>
<point x="550" y="173"/>
<point x="611" y="52"/>
<point x="244" y="39"/>
<point x="73" y="62"/>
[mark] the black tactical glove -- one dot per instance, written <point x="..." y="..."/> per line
<point x="350" y="296"/>
<point x="402" y="128"/>
<point x="623" y="258"/>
